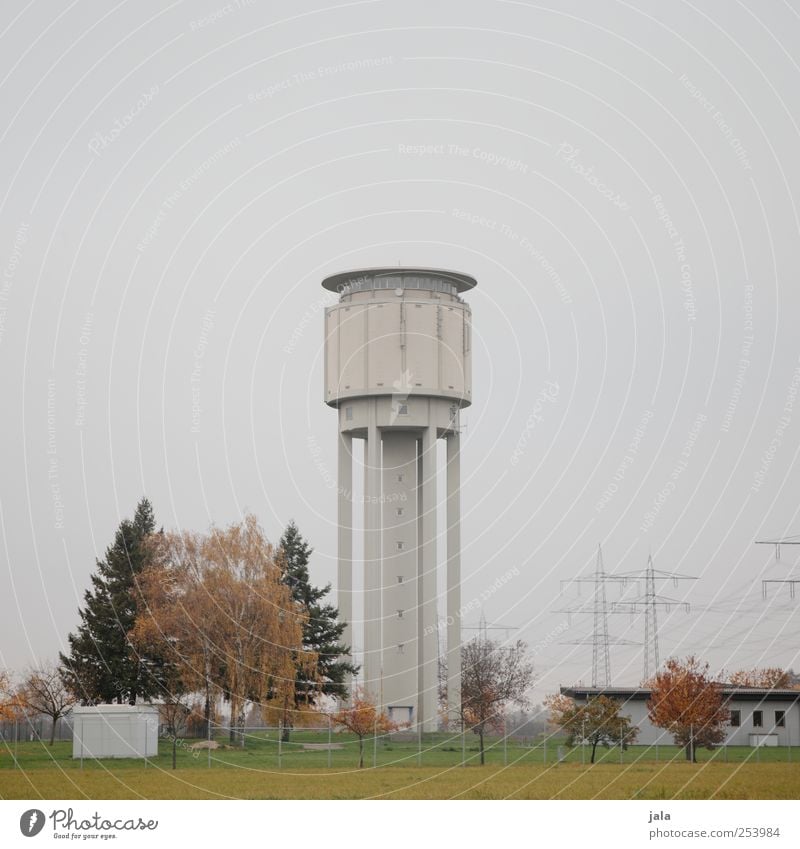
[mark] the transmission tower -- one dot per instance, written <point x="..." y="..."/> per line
<point x="650" y="602"/>
<point x="600" y="640"/>
<point x="790" y="582"/>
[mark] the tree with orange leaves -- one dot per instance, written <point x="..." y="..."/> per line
<point x="596" y="722"/>
<point x="9" y="703"/>
<point x="687" y="703"/>
<point x="363" y="719"/>
<point x="215" y="604"/>
<point x="770" y="678"/>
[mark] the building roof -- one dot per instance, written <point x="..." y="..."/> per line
<point x="730" y="691"/>
<point x="462" y="282"/>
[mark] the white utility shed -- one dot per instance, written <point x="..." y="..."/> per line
<point x="115" y="731"/>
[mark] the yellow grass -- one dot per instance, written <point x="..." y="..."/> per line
<point x="566" y="781"/>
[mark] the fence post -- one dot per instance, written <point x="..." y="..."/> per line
<point x="280" y="745"/>
<point x="419" y="743"/>
<point x="16" y="738"/>
<point x="375" y="743"/>
<point x="545" y="750"/>
<point x="208" y="740"/>
<point x="463" y="744"/>
<point x="329" y="742"/>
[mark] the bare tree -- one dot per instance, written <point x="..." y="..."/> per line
<point x="43" y="691"/>
<point x="493" y="675"/>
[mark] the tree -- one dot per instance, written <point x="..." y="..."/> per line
<point x="597" y="722"/>
<point x="43" y="692"/>
<point x="322" y="631"/>
<point x="771" y="678"/>
<point x="492" y="676"/>
<point x="9" y="699"/>
<point x="218" y="610"/>
<point x="363" y="719"/>
<point x="687" y="703"/>
<point x="101" y="665"/>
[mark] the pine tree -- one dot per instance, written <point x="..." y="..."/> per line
<point x="102" y="666"/>
<point x="323" y="631"/>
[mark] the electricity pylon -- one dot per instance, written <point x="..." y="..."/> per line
<point x="650" y="602"/>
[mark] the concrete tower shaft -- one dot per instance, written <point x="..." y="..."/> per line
<point x="398" y="369"/>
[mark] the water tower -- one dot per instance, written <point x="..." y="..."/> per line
<point x="398" y="360"/>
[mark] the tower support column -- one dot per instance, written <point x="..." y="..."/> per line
<point x="344" y="482"/>
<point x="428" y="639"/>
<point x="372" y="558"/>
<point x="454" y="578"/>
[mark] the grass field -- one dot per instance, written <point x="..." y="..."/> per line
<point x="261" y="771"/>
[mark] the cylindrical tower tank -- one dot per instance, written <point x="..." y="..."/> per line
<point x="398" y="367"/>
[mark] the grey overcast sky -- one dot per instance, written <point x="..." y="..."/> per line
<point x="621" y="179"/>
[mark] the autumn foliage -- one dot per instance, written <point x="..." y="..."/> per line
<point x="772" y="678"/>
<point x="597" y="722"/>
<point x="215" y="608"/>
<point x="688" y="704"/>
<point x="363" y="719"/>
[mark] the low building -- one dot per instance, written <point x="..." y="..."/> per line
<point x="759" y="716"/>
<point x="115" y="731"/>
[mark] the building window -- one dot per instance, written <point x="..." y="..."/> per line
<point x="348" y="413"/>
<point x="399" y="478"/>
<point x="400" y="614"/>
<point x="400" y="545"/>
<point x="402" y="409"/>
<point x="399" y="579"/>
<point x="758" y="718"/>
<point x="780" y="719"/>
<point x="736" y="718"/>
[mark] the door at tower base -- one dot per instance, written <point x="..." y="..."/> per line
<point x="401" y="715"/>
